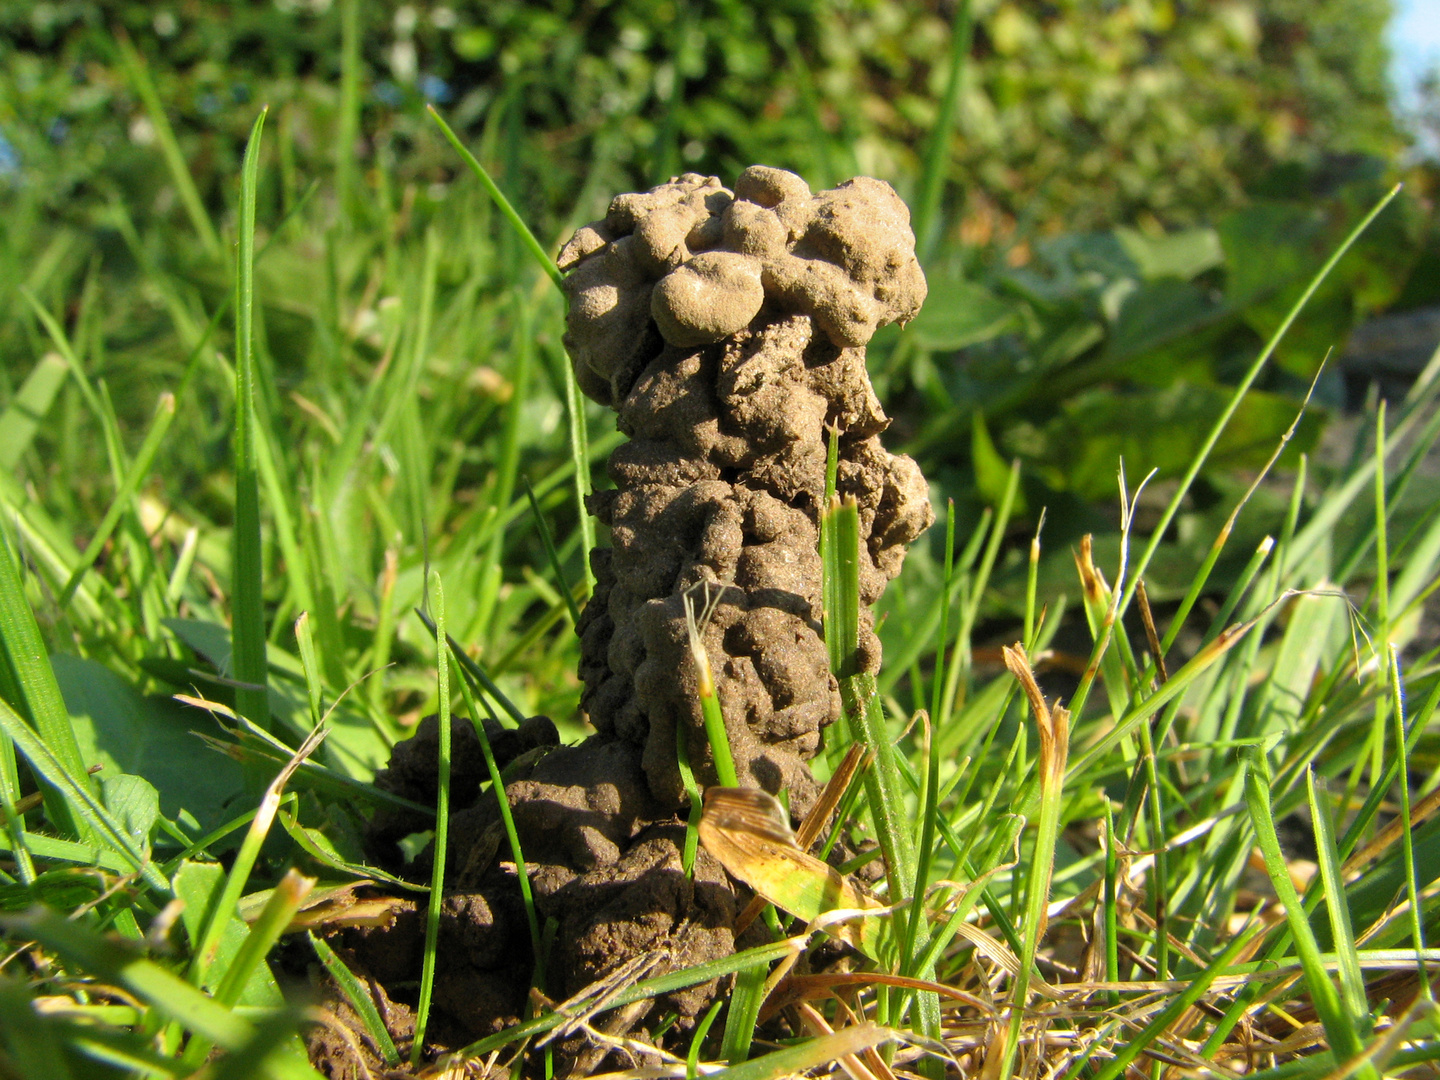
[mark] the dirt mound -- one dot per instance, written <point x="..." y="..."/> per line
<point x="727" y="330"/>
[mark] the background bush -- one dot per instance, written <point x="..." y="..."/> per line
<point x="1072" y="114"/>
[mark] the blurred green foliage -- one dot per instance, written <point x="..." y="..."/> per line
<point x="1071" y="114"/>
<point x="1066" y="326"/>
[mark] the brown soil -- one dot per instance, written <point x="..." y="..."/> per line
<point x="727" y="330"/>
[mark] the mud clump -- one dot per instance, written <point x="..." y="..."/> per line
<point x="727" y="329"/>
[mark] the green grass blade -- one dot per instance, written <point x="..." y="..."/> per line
<point x="527" y="238"/>
<point x="347" y="133"/>
<point x="930" y="809"/>
<point x="227" y="906"/>
<point x="272" y="1051"/>
<point x="1340" y="1027"/>
<point x="697" y="1041"/>
<point x="1407" y="840"/>
<point x="1203" y="455"/>
<point x="152" y="984"/>
<point x="937" y="151"/>
<point x="1352" y="982"/>
<point x="139" y="468"/>
<point x="442" y="823"/>
<point x="552" y="554"/>
<point x="33" y="1044"/>
<point x="697" y="805"/>
<point x="20" y="421"/>
<point x="471" y="667"/>
<point x="512" y="836"/>
<point x="139" y="75"/>
<point x="745" y="1001"/>
<point x="1133" y="1047"/>
<point x="30" y="678"/>
<point x="284" y="902"/>
<point x="579" y="436"/>
<point x="24" y="864"/>
<point x="305" y="640"/>
<point x="358" y="995"/>
<point x="797" y="1059"/>
<point x="248" y="651"/>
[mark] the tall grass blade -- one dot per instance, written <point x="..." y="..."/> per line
<point x="284" y="902"/>
<point x="1352" y="982"/>
<point x="20" y="421"/>
<point x="1340" y="1027"/>
<point x="937" y="151"/>
<point x="1203" y="455"/>
<point x="512" y="835"/>
<point x="1407" y="841"/>
<point x="552" y="554"/>
<point x="358" y="995"/>
<point x="442" y="823"/>
<point x="29" y="681"/>
<point x="164" y="414"/>
<point x="248" y="622"/>
<point x="226" y="907"/>
<point x="139" y="75"/>
<point x="527" y="238"/>
<point x="347" y="132"/>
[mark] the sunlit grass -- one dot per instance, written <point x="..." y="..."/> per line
<point x="1084" y="891"/>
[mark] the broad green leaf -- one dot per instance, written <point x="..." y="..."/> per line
<point x="135" y="804"/>
<point x="1161" y="429"/>
<point x="1158" y="314"/>
<point x="199" y="885"/>
<point x="125" y="732"/>
<point x="992" y="472"/>
<point x="1182" y="255"/>
<point x="958" y="313"/>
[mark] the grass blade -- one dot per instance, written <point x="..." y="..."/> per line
<point x="348" y="129"/>
<point x="442" y="823"/>
<point x="20" y="421"/>
<point x="1340" y="1026"/>
<point x="1407" y="841"/>
<point x="139" y="75"/>
<point x="1132" y="1047"/>
<point x="113" y="962"/>
<point x="248" y="652"/>
<point x="795" y="1060"/>
<point x="227" y="906"/>
<point x="286" y="899"/>
<point x="552" y="554"/>
<point x="497" y="786"/>
<point x="1198" y="462"/>
<point x="164" y="414"/>
<point x="1352" y="983"/>
<point x="937" y="152"/>
<point x="358" y="995"/>
<point x="29" y="681"/>
<point x="527" y="238"/>
<point x="745" y="1001"/>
